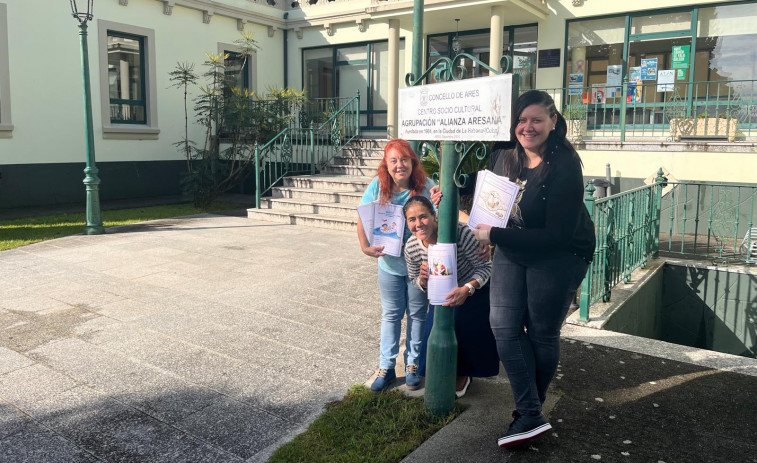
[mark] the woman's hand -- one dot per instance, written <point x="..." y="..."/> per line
<point x="456" y="297"/>
<point x="436" y="195"/>
<point x="373" y="251"/>
<point x="484" y="252"/>
<point x="482" y="233"/>
<point x="423" y="275"/>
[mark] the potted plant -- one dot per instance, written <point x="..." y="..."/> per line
<point x="575" y="116"/>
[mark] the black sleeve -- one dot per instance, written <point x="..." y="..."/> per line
<point x="564" y="200"/>
<point x="498" y="150"/>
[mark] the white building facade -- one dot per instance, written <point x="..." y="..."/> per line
<point x="337" y="48"/>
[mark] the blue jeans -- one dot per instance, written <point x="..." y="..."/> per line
<point x="529" y="300"/>
<point x="398" y="295"/>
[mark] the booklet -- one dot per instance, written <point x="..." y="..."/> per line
<point x="384" y="225"/>
<point x="493" y="200"/>
<point x="442" y="271"/>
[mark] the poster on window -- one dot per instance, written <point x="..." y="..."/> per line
<point x="634" y="92"/>
<point x="614" y="80"/>
<point x="666" y="80"/>
<point x="575" y="84"/>
<point x="598" y="93"/>
<point x="649" y="69"/>
<point x="680" y="56"/>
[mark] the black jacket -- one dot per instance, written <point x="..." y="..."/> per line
<point x="554" y="217"/>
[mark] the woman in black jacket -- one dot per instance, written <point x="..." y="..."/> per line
<point x="540" y="258"/>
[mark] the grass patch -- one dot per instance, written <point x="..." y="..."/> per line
<point x="365" y="427"/>
<point x="20" y="232"/>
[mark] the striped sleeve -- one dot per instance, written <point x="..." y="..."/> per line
<point x="469" y="266"/>
<point x="415" y="255"/>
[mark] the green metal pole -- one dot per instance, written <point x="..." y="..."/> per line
<point x="585" y="298"/>
<point x="357" y="115"/>
<point x="659" y="182"/>
<point x="624" y="91"/>
<point x="417" y="63"/>
<point x="441" y="360"/>
<point x="257" y="175"/>
<point x="311" y="132"/>
<point x="91" y="180"/>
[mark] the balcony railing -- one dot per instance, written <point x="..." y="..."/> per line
<point x="709" y="221"/>
<point x="682" y="111"/>
<point x="695" y="220"/>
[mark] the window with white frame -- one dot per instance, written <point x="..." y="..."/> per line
<point x="5" y="96"/>
<point x="127" y="81"/>
<point x="126" y="78"/>
<point x="241" y="67"/>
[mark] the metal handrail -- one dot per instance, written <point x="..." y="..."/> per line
<point x="626" y="225"/>
<point x="299" y="150"/>
<point x="712" y="221"/>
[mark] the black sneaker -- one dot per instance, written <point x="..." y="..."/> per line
<point x="523" y="429"/>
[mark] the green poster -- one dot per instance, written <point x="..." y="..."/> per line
<point x="681" y="56"/>
<point x="680" y="74"/>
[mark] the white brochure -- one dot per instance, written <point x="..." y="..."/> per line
<point x="384" y="225"/>
<point x="442" y="271"/>
<point x="493" y="200"/>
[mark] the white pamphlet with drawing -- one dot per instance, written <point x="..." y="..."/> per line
<point x="493" y="200"/>
<point x="384" y="225"/>
<point x="442" y="271"/>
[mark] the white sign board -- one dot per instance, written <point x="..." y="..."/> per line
<point x="666" y="80"/>
<point x="471" y="109"/>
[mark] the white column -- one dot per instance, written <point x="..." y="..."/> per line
<point x="496" y="36"/>
<point x="393" y="78"/>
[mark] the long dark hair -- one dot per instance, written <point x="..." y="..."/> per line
<point x="556" y="141"/>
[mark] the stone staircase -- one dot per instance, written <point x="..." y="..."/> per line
<point x="328" y="199"/>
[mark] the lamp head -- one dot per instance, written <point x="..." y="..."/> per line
<point x="83" y="11"/>
<point x="457" y="44"/>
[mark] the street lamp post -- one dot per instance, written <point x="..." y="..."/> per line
<point x="94" y="226"/>
<point x="441" y="357"/>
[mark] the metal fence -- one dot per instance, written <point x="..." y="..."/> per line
<point x="680" y="111"/>
<point x="710" y="221"/>
<point x="693" y="220"/>
<point x="306" y="149"/>
<point x="626" y="227"/>
<point x="299" y="114"/>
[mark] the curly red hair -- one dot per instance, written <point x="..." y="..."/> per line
<point x="386" y="182"/>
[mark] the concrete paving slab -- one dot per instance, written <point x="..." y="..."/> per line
<point x="12" y="420"/>
<point x="237" y="427"/>
<point x="34" y="443"/>
<point x="27" y="386"/>
<point x="129" y="309"/>
<point x="11" y="361"/>
<point x="120" y="433"/>
<point x="32" y="303"/>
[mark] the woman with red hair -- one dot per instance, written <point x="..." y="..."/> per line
<point x="399" y="177"/>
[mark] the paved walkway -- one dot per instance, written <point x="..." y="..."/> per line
<point x="216" y="339"/>
<point x="193" y="339"/>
